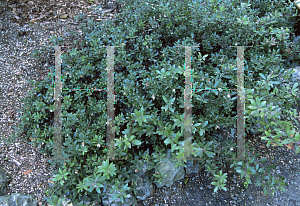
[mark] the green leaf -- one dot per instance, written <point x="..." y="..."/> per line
<point x="136" y="142"/>
<point x="264" y="138"/>
<point x="168" y="141"/>
<point x="257" y="100"/>
<point x="204" y="124"/>
<point x="286" y="141"/>
<point x="262" y="75"/>
<point x="209" y="154"/>
<point x="214" y="183"/>
<point x="297" y="149"/>
<point x="252" y="107"/>
<point x="242" y="174"/>
<point x="114" y="197"/>
<point x="295" y="85"/>
<point x="216" y="188"/>
<point x="91" y="189"/>
<point x="267" y="133"/>
<point x="128" y="145"/>
<point x="252" y="102"/>
<point x="216" y="83"/>
<point x="224" y="188"/>
<point x="165" y="99"/>
<point x="202" y="131"/>
<point x="238" y="170"/>
<point x="173" y="147"/>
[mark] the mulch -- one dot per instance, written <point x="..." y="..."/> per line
<point x="194" y="189"/>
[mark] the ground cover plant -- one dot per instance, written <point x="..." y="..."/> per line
<point x="149" y="92"/>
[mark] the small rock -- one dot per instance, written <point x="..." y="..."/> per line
<point x="64" y="16"/>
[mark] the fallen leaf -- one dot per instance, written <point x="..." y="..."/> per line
<point x="289" y="146"/>
<point x="32" y="139"/>
<point x="26" y="172"/>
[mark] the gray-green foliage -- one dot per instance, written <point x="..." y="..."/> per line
<point x="147" y="69"/>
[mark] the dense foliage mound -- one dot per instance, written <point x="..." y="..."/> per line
<point x="149" y="90"/>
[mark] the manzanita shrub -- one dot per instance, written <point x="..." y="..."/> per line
<point x="149" y="92"/>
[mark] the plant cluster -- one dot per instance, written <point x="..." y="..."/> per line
<point x="149" y="92"/>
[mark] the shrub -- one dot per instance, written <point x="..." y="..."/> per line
<point x="148" y="69"/>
